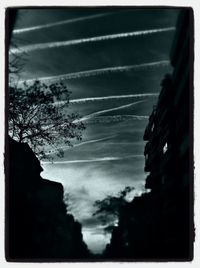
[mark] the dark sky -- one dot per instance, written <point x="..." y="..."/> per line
<point x="99" y="53"/>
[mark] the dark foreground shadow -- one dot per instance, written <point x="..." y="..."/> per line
<point x="37" y="226"/>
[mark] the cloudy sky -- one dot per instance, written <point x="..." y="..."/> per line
<point x="113" y="61"/>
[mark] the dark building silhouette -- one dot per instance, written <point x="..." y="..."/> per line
<point x="37" y="224"/>
<point x="168" y="132"/>
<point x="159" y="225"/>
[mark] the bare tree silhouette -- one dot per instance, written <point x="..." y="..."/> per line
<point x="35" y="118"/>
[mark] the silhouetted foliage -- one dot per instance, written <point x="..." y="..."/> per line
<point x="38" y="116"/>
<point x="109" y="208"/>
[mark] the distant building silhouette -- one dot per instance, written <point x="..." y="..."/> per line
<point x="159" y="224"/>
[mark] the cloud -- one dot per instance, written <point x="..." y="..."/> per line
<point x="42" y="46"/>
<point x="96" y="242"/>
<point x="58" y="23"/>
<point x="96" y="72"/>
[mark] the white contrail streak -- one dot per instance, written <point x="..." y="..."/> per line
<point x="116" y="118"/>
<point x="85" y="118"/>
<point x="94" y="141"/>
<point x="109" y="158"/>
<point x="112" y="97"/>
<point x="96" y="72"/>
<point x="58" y="23"/>
<point x="80" y="144"/>
<point x="41" y="46"/>
<point x="103" y="119"/>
